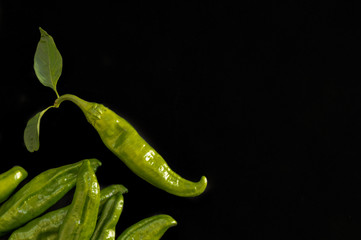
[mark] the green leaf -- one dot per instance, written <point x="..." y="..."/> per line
<point x="32" y="132"/>
<point x="48" y="62"/>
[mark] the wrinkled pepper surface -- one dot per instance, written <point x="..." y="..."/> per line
<point x="80" y="221"/>
<point x="48" y="225"/>
<point x="39" y="194"/>
<point x="105" y="228"/>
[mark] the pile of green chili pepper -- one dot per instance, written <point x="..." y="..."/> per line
<point x="93" y="213"/>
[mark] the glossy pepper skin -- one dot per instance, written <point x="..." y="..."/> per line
<point x="152" y="228"/>
<point x="9" y="180"/>
<point x="44" y="227"/>
<point x="81" y="218"/>
<point x="38" y="195"/>
<point x="48" y="225"/>
<point x="105" y="228"/>
<point x="108" y="192"/>
<point x="124" y="141"/>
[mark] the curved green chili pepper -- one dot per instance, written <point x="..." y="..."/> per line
<point x="105" y="228"/>
<point x="38" y="195"/>
<point x="10" y="180"/>
<point x="124" y="141"/>
<point x="152" y="228"/>
<point x="82" y="215"/>
<point x="48" y="225"/>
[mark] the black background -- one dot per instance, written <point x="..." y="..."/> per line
<point x="262" y="98"/>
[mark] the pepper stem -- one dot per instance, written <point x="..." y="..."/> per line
<point x="83" y="105"/>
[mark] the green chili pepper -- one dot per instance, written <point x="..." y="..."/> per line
<point x="124" y="141"/>
<point x="38" y="195"/>
<point x="82" y="215"/>
<point x="152" y="228"/>
<point x="109" y="192"/>
<point x="48" y="225"/>
<point x="105" y="228"/>
<point x="44" y="227"/>
<point x="10" y="180"/>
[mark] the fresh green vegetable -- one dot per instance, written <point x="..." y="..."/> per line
<point x="10" y="180"/>
<point x="48" y="225"/>
<point x="81" y="218"/>
<point x="124" y="141"/>
<point x="152" y="228"/>
<point x="105" y="228"/>
<point x="38" y="195"/>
